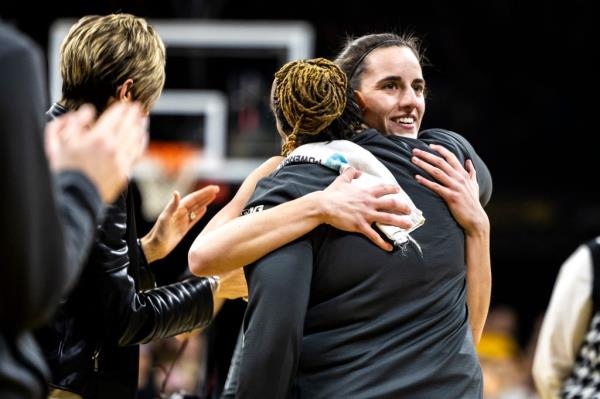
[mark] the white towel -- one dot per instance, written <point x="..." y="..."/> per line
<point x="341" y="154"/>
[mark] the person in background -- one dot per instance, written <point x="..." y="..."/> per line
<point x="49" y="213"/>
<point x="91" y="344"/>
<point x="566" y="363"/>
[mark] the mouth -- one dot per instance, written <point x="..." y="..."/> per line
<point x="408" y="121"/>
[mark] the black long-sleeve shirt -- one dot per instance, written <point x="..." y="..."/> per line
<point x="46" y="228"/>
<point x="333" y="316"/>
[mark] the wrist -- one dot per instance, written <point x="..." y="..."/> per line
<point x="480" y="228"/>
<point x="318" y="207"/>
<point x="215" y="284"/>
<point x="150" y="248"/>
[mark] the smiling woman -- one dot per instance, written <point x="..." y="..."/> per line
<point x="385" y="71"/>
<point x="392" y="91"/>
<point x="330" y="315"/>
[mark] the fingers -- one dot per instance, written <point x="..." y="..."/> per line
<point x="190" y="222"/>
<point x="437" y="173"/>
<point x="448" y="163"/>
<point x="200" y="198"/>
<point x="132" y="118"/>
<point x="199" y="213"/>
<point x="51" y="137"/>
<point x="122" y="123"/>
<point x="448" y="156"/>
<point x="433" y="160"/>
<point x="442" y="191"/>
<point x="86" y="114"/>
<point x="392" y="220"/>
<point x="375" y="237"/>
<point x="471" y="170"/>
<point x="77" y="123"/>
<point x="54" y="127"/>
<point x="140" y="140"/>
<point x="173" y="203"/>
<point x="106" y="128"/>
<point x="383" y="218"/>
<point x="349" y="174"/>
<point x="391" y="204"/>
<point x="132" y="131"/>
<point x="383" y="189"/>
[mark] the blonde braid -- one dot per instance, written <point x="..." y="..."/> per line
<point x="311" y="94"/>
<point x="289" y="145"/>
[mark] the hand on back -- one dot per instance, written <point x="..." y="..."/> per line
<point x="456" y="184"/>
<point x="350" y="208"/>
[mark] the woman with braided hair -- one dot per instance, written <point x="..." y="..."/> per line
<point x="330" y="315"/>
<point x="311" y="95"/>
<point x="446" y="249"/>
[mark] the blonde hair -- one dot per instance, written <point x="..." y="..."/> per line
<point x="310" y="95"/>
<point x="102" y="52"/>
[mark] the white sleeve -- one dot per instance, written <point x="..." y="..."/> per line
<point x="565" y="324"/>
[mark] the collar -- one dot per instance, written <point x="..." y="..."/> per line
<point x="55" y="111"/>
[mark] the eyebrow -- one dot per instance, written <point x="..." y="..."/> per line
<point x="394" y="78"/>
<point x="390" y="78"/>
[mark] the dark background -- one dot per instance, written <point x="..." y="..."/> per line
<point x="514" y="77"/>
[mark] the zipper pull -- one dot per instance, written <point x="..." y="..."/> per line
<point x="95" y="359"/>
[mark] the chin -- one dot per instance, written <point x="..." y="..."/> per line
<point x="405" y="133"/>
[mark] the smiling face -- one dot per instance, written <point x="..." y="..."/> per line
<point x="392" y="91"/>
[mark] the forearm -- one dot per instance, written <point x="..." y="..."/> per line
<point x="479" y="279"/>
<point x="248" y="238"/>
<point x="168" y="311"/>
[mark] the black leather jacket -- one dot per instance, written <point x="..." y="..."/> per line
<point x="91" y="345"/>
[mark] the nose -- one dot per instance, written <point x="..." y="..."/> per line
<point x="407" y="98"/>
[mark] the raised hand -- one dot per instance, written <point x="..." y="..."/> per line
<point x="104" y="151"/>
<point x="178" y="217"/>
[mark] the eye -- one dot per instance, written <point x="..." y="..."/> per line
<point x="419" y="88"/>
<point x="390" y="85"/>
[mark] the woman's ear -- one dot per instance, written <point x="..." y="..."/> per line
<point x="360" y="100"/>
<point x="124" y="91"/>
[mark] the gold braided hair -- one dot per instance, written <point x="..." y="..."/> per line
<point x="311" y="94"/>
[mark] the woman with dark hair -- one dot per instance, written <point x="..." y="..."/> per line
<point x="330" y="315"/>
<point x="377" y="67"/>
